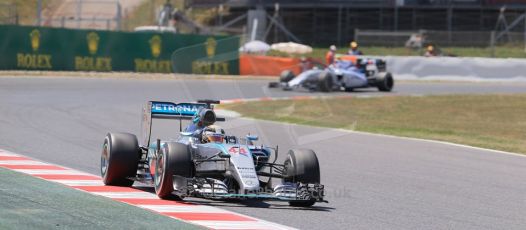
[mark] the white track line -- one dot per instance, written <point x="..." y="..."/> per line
<point x="8" y="154"/>
<point x="395" y="137"/>
<point x="51" y="172"/>
<point x="80" y="182"/>
<point x="248" y="223"/>
<point x="117" y="195"/>
<point x="242" y="100"/>
<point x="434" y="141"/>
<point x="22" y="162"/>
<point x="184" y="208"/>
<point x="240" y="225"/>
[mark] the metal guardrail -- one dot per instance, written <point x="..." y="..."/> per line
<point x="457" y="68"/>
<point x="325" y="3"/>
<point x="442" y="38"/>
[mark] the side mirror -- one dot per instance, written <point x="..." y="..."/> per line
<point x="186" y="133"/>
<point x="252" y="138"/>
<point x="223" y="155"/>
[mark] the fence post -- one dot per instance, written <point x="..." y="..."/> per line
<point x="449" y="23"/>
<point x="423" y="41"/>
<point x="339" y="39"/>
<point x="63" y="21"/>
<point x="39" y="13"/>
<point x="17" y="16"/>
<point x="78" y="13"/>
<point x="356" y="31"/>
<point x="118" y="17"/>
<point x="492" y="43"/>
<point x="395" y="23"/>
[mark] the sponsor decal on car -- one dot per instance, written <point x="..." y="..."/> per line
<point x="238" y="150"/>
<point x="247" y="173"/>
<point x="187" y="109"/>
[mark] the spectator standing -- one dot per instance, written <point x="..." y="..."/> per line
<point x="354" y="49"/>
<point x="331" y="54"/>
<point x="430" y="51"/>
<point x="304" y="64"/>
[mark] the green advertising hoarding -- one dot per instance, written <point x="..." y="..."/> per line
<point x="39" y="48"/>
<point x="212" y="57"/>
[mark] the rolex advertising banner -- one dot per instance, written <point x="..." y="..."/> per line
<point x="214" y="56"/>
<point x="39" y="48"/>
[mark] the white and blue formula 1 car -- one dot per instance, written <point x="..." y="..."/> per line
<point x="342" y="75"/>
<point x="204" y="162"/>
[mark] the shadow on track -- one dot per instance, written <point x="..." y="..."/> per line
<point x="256" y="204"/>
<point x="240" y="202"/>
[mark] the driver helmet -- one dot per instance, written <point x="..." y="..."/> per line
<point x="430" y="48"/>
<point x="353" y="45"/>
<point x="213" y="134"/>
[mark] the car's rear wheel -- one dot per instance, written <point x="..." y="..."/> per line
<point x="385" y="82"/>
<point x="325" y="82"/>
<point x="119" y="159"/>
<point x="301" y="165"/>
<point x="286" y="76"/>
<point x="173" y="159"/>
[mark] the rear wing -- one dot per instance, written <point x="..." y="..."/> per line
<point x="169" y="110"/>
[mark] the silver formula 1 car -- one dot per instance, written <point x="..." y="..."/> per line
<point x="202" y="161"/>
<point x="342" y="75"/>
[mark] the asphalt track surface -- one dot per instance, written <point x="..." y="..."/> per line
<point x="372" y="181"/>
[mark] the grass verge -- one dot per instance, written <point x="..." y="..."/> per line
<point x="30" y="203"/>
<point x="488" y="121"/>
<point x="505" y="51"/>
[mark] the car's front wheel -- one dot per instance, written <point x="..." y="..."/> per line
<point x="286" y="76"/>
<point x="385" y="82"/>
<point x="173" y="159"/>
<point x="301" y="165"/>
<point x="325" y="82"/>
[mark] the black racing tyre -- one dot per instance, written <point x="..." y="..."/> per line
<point x="325" y="82"/>
<point x="119" y="159"/>
<point x="385" y="82"/>
<point x="286" y="76"/>
<point x="273" y="84"/>
<point x="301" y="165"/>
<point x="173" y="159"/>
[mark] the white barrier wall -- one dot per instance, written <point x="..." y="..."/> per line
<point x="457" y="68"/>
